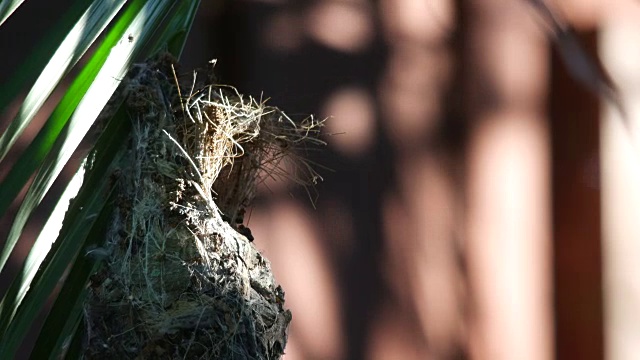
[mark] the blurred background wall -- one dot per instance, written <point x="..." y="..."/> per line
<point x="481" y="203"/>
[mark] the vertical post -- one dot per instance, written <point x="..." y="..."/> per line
<point x="508" y="182"/>
<point x="574" y="123"/>
<point x="620" y="152"/>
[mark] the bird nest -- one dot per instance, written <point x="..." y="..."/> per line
<point x="182" y="278"/>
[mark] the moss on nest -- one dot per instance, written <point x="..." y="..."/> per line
<point x="182" y="279"/>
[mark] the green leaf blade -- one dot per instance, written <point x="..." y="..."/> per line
<point x="90" y="25"/>
<point x="41" y="147"/>
<point x="28" y="70"/>
<point x="7" y="7"/>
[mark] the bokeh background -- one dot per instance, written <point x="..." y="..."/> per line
<point x="480" y="202"/>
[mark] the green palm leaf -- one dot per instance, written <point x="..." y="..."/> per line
<point x="82" y="35"/>
<point x="7" y="7"/>
<point x="140" y="30"/>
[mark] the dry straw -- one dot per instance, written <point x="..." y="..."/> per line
<point x="182" y="279"/>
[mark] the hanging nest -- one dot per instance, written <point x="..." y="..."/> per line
<point x="182" y="278"/>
